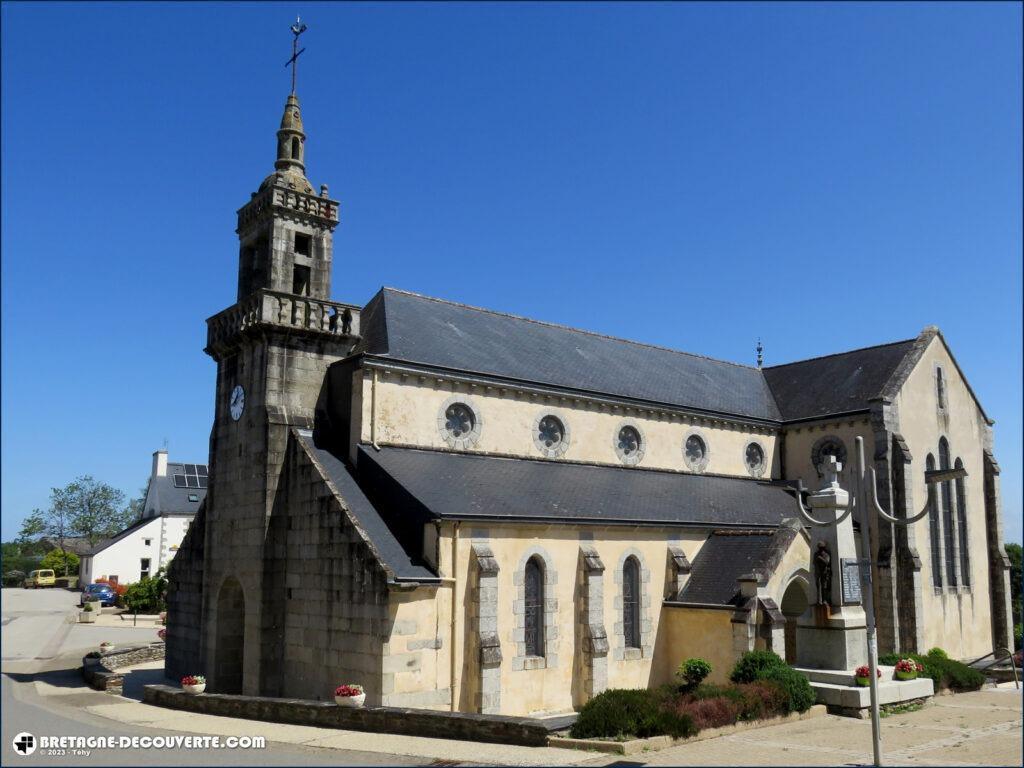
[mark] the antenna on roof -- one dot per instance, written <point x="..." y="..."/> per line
<point x="165" y="443"/>
<point x="760" y="352"/>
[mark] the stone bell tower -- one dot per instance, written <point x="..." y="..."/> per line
<point x="272" y="349"/>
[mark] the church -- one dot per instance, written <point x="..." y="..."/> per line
<point x="470" y="511"/>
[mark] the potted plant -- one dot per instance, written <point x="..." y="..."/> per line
<point x="907" y="669"/>
<point x="162" y="634"/>
<point x="106" y="647"/>
<point x="87" y="614"/>
<point x="193" y="683"/>
<point x="863" y="675"/>
<point x="349" y="695"/>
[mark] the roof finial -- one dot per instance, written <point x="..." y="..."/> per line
<point x="297" y="29"/>
<point x="760" y="352"/>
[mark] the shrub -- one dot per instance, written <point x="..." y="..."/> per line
<point x="1018" y="636"/>
<point x="618" y="713"/>
<point x="88" y="607"/>
<point x="944" y="672"/>
<point x="709" y="713"/>
<point x="693" y="671"/>
<point x="938" y="653"/>
<point x="754" y="701"/>
<point x="753" y="665"/>
<point x="58" y="561"/>
<point x="799" y="694"/>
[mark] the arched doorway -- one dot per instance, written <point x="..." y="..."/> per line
<point x="230" y="648"/>
<point x="794" y="605"/>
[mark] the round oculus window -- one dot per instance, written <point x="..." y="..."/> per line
<point x="459" y="420"/>
<point x="695" y="449"/>
<point x="629" y="441"/>
<point x="550" y="432"/>
<point x="754" y="456"/>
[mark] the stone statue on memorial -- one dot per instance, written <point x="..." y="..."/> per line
<point x="823" y="574"/>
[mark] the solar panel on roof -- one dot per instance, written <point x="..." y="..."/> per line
<point x="202" y="482"/>
<point x="179" y="481"/>
<point x="202" y="470"/>
<point x="190" y="469"/>
<point x="193" y="481"/>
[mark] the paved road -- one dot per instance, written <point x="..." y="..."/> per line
<point x="42" y="693"/>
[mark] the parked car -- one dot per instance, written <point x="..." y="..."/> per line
<point x="101" y="593"/>
<point x="36" y="579"/>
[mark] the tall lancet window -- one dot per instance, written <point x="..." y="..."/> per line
<point x="961" y="519"/>
<point x="940" y="388"/>
<point x="947" y="515"/>
<point x="934" y="529"/>
<point x="631" y="602"/>
<point x="534" y="594"/>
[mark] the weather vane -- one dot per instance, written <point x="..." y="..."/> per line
<point x="297" y="29"/>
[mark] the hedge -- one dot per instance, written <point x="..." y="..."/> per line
<point x="943" y="671"/>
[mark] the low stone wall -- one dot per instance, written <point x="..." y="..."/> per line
<point x="498" y="729"/>
<point x="100" y="670"/>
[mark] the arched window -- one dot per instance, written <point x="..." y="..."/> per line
<point x="961" y="519"/>
<point x="934" y="532"/>
<point x="631" y="602"/>
<point x="534" y="594"/>
<point x="295" y="148"/>
<point x="940" y="388"/>
<point x="947" y="514"/>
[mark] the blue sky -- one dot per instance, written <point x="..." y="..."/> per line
<point x="823" y="176"/>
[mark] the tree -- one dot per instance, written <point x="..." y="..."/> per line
<point x="137" y="506"/>
<point x="32" y="528"/>
<point x="58" y="560"/>
<point x="92" y="509"/>
<point x="1013" y="551"/>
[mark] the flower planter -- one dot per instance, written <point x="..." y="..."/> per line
<point x="906" y="675"/>
<point x="864" y="682"/>
<point x="198" y="688"/>
<point x="353" y="702"/>
<point x="87" y="617"/>
<point x="107" y="647"/>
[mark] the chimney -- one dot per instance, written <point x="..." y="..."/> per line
<point x="160" y="463"/>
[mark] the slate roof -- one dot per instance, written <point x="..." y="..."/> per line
<point x="723" y="558"/>
<point x="472" y="486"/>
<point x="389" y="551"/>
<point x="162" y="496"/>
<point x="416" y="329"/>
<point x="835" y="383"/>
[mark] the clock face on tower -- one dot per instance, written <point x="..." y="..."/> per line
<point x="237" y="402"/>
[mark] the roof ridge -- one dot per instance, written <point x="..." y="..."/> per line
<point x="839" y="354"/>
<point x="567" y="328"/>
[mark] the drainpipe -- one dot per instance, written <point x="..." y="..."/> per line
<point x="373" y="411"/>
<point x="454" y="587"/>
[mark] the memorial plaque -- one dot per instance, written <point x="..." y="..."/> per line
<point x="851" y="581"/>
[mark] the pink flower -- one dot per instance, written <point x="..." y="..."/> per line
<point x="348" y="690"/>
<point x="863" y="671"/>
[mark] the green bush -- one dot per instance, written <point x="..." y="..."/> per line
<point x="1018" y="636"/>
<point x="146" y="595"/>
<point x="59" y="561"/>
<point x="620" y="713"/>
<point x="753" y="664"/>
<point x="88" y="607"/>
<point x="938" y="653"/>
<point x="944" y="672"/>
<point x="799" y="694"/>
<point x="693" y="671"/>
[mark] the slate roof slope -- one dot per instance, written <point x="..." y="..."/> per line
<point x="389" y="551"/>
<point x="723" y="558"/>
<point x="834" y="384"/>
<point x="163" y="496"/>
<point x="417" y="329"/>
<point x="472" y="486"/>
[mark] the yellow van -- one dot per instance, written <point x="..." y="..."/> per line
<point x="36" y="579"/>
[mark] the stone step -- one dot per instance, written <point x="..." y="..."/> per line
<point x="857" y="697"/>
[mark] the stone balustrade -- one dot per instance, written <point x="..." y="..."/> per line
<point x="290" y="199"/>
<point x="283" y="310"/>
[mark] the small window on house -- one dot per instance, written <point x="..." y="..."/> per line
<point x="144" y="567"/>
<point x="940" y="388"/>
<point x="300" y="280"/>
<point x="147" y="542"/>
<point x="631" y="602"/>
<point x="193" y="497"/>
<point x="303" y="244"/>
<point x="534" y="605"/>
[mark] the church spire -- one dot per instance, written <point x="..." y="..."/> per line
<point x="290" y="165"/>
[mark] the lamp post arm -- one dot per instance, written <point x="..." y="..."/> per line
<point x="885" y="515"/>
<point x="807" y="515"/>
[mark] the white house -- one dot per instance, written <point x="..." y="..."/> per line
<point x="172" y="499"/>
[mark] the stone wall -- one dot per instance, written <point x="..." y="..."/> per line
<point x="412" y="722"/>
<point x="100" y="670"/>
<point x="324" y="596"/>
<point x="185" y="602"/>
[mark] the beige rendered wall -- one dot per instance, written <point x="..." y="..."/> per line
<point x="404" y="411"/>
<point x="692" y="632"/>
<point x="418" y="658"/>
<point x="800" y="440"/>
<point x="957" y="619"/>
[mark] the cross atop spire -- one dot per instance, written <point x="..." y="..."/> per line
<point x="297" y="29"/>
